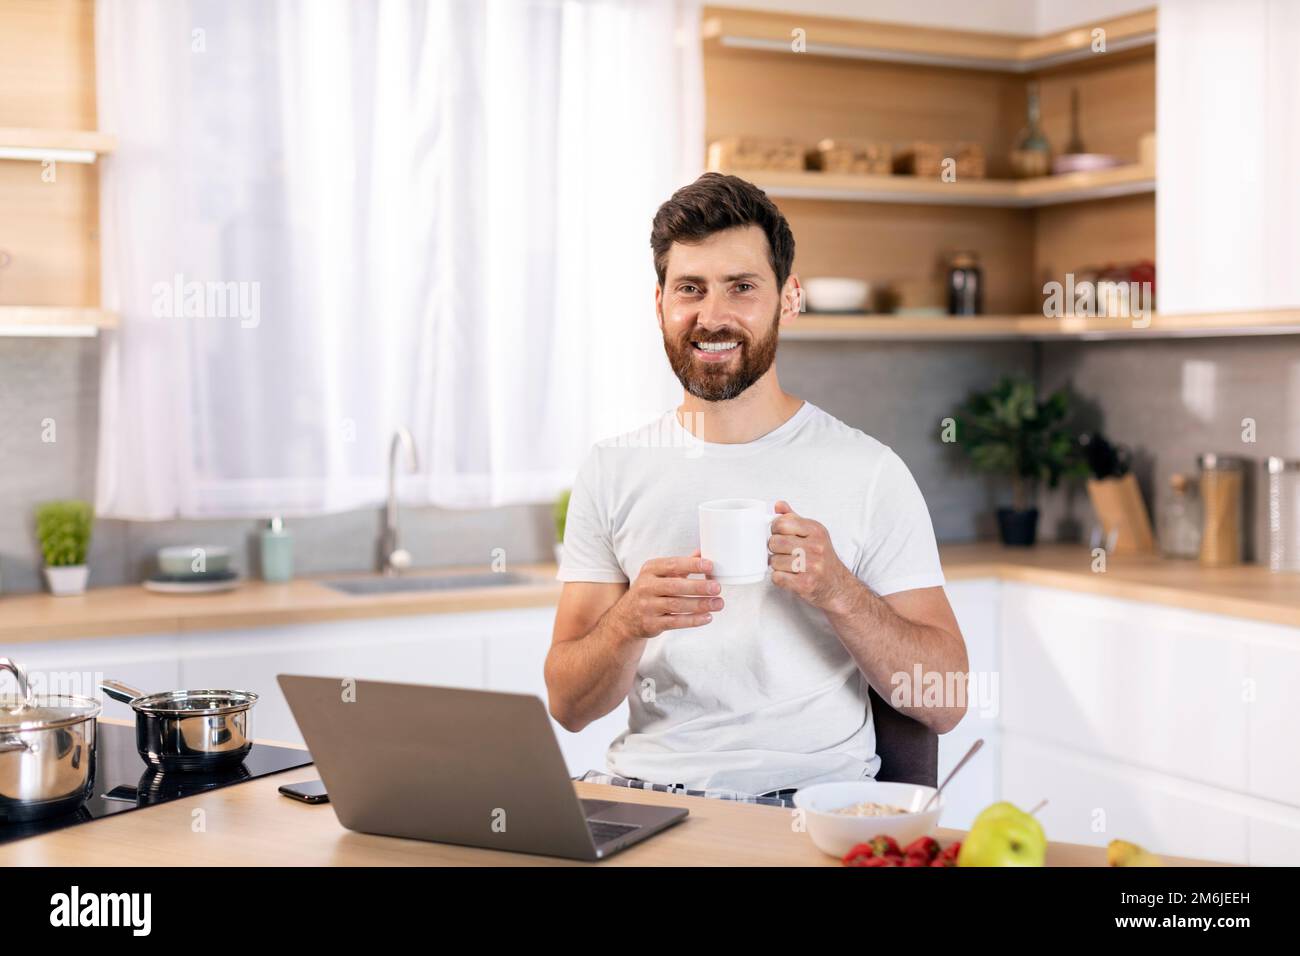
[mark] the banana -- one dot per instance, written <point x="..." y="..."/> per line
<point x="1123" y="853"/>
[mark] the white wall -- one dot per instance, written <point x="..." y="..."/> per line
<point x="1054" y="15"/>
<point x="1029" y="17"/>
<point x="1005" y="16"/>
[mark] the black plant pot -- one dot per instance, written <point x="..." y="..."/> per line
<point x="1018" y="528"/>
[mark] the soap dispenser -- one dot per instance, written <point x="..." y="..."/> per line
<point x="277" y="552"/>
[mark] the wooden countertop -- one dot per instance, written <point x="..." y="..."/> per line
<point x="1248" y="591"/>
<point x="251" y="824"/>
<point x="107" y="612"/>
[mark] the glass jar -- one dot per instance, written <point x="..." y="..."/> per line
<point x="1284" y="514"/>
<point x="1223" y="508"/>
<point x="1179" y="523"/>
<point x="965" y="285"/>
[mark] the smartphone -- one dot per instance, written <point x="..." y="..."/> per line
<point x="309" y="791"/>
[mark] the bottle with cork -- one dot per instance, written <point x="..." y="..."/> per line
<point x="1179" y="530"/>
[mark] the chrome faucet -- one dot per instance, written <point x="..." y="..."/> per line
<point x="392" y="557"/>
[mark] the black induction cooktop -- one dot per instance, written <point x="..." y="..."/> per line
<point x="123" y="781"/>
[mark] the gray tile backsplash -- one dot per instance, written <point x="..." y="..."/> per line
<point x="1173" y="399"/>
<point x="58" y="379"/>
<point x="1169" y="400"/>
<point x="899" y="392"/>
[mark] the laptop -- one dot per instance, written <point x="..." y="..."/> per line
<point x="475" y="768"/>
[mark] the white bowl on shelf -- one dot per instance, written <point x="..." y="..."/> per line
<point x="834" y="294"/>
<point x="837" y="833"/>
<point x="179" y="560"/>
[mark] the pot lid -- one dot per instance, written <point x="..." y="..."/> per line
<point x="194" y="703"/>
<point x="45" y="713"/>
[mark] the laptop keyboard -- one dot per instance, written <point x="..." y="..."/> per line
<point x="604" y="832"/>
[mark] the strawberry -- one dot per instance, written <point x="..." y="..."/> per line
<point x="926" y="846"/>
<point x="885" y="846"/>
<point x="859" y="855"/>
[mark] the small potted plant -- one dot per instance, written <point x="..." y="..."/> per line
<point x="1007" y="430"/>
<point x="560" y="511"/>
<point x="63" y="529"/>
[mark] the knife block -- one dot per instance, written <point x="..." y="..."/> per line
<point x="1121" y="511"/>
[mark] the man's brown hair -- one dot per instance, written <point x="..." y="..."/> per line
<point x="715" y="202"/>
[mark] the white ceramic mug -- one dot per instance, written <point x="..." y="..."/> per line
<point x="733" y="535"/>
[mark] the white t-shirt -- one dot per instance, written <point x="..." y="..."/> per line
<point x="765" y="696"/>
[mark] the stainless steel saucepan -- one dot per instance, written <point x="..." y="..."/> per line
<point x="47" y="751"/>
<point x="201" y="730"/>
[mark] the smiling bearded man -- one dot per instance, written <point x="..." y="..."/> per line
<point x="759" y="688"/>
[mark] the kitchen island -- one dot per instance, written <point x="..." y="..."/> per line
<point x="251" y="824"/>
<point x="1079" y="673"/>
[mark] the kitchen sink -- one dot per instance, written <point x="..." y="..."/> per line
<point x="442" y="582"/>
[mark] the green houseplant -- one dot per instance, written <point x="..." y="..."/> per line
<point x="1008" y="430"/>
<point x="560" y="511"/>
<point x="63" y="530"/>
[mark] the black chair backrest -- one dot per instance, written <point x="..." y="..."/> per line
<point x="909" y="751"/>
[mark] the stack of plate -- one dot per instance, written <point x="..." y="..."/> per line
<point x="189" y="569"/>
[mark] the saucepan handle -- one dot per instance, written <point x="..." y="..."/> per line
<point x="123" y="693"/>
<point x="20" y="675"/>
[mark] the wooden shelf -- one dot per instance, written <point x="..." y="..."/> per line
<point x="921" y="46"/>
<point x="49" y="321"/>
<point x="68" y="145"/>
<point x="813" y="327"/>
<point x="1013" y="194"/>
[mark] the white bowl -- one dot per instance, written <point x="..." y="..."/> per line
<point x="179" y="559"/>
<point x="837" y="833"/>
<point x="829" y="294"/>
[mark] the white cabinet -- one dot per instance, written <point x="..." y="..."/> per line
<point x="1272" y="684"/>
<point x="442" y="649"/>
<point x="1171" y="728"/>
<point x="147" y="663"/>
<point x="975" y="603"/>
<point x="492" y="650"/>
<point x="515" y="661"/>
<point x="1147" y="685"/>
<point x="1093" y="801"/>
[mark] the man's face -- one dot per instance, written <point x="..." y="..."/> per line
<point x="720" y="312"/>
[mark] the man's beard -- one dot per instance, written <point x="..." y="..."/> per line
<point x="710" y="381"/>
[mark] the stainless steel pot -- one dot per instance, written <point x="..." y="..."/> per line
<point x="199" y="730"/>
<point x="47" y="751"/>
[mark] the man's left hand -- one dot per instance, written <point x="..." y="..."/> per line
<point x="804" y="562"/>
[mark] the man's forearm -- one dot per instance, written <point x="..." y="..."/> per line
<point x="588" y="677"/>
<point x="884" y="644"/>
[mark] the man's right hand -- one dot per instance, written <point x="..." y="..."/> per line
<point x="663" y="598"/>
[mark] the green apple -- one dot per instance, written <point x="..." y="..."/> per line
<point x="1003" y="835"/>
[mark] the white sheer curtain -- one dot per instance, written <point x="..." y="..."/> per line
<point x="381" y="213"/>
<point x="1228" y="115"/>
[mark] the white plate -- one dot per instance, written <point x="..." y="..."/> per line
<point x="192" y="587"/>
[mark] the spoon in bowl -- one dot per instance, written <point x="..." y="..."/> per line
<point x="974" y="748"/>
